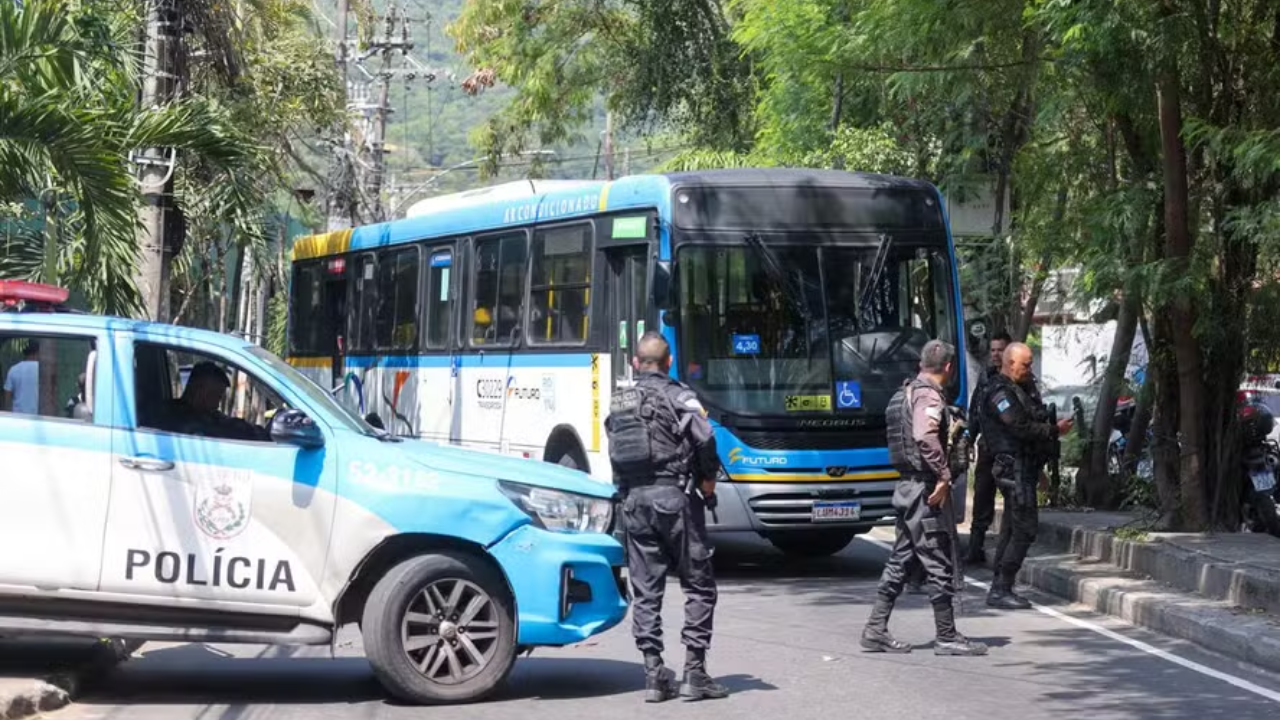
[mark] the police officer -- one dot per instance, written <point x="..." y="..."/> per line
<point x="918" y="429"/>
<point x="664" y="463"/>
<point x="1019" y="437"/>
<point x="984" y="486"/>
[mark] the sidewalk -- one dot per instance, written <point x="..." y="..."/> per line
<point x="1220" y="591"/>
<point x="43" y="674"/>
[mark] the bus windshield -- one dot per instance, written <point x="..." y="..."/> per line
<point x="830" y="326"/>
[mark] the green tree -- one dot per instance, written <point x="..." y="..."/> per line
<point x="67" y="126"/>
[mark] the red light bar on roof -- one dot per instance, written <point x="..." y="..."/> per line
<point x="14" y="291"/>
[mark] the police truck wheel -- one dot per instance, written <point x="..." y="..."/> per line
<point x="440" y="629"/>
<point x="813" y="543"/>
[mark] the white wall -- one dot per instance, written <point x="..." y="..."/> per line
<point x="1076" y="354"/>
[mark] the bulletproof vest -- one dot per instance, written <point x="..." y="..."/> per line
<point x="999" y="439"/>
<point x="644" y="437"/>
<point x="904" y="453"/>
<point x="975" y="400"/>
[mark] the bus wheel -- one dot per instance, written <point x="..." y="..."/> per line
<point x="813" y="543"/>
<point x="440" y="629"/>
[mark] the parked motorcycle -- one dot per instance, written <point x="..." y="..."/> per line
<point x="1260" y="458"/>
<point x="1121" y="423"/>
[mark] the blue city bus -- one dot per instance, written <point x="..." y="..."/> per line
<point x="795" y="302"/>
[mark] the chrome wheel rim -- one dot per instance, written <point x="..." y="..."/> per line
<point x="450" y="631"/>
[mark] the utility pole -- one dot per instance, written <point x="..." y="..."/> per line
<point x="394" y="43"/>
<point x="160" y="65"/>
<point x="377" y="148"/>
<point x="338" y="199"/>
<point x="608" y="145"/>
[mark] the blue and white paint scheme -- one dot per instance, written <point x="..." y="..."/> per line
<point x="267" y="540"/>
<point x="811" y="463"/>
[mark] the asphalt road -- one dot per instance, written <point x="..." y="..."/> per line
<point x="786" y="643"/>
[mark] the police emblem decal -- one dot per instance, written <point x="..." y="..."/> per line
<point x="223" y="505"/>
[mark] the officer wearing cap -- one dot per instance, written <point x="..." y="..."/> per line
<point x="1019" y="437"/>
<point x="919" y="425"/>
<point x="664" y="463"/>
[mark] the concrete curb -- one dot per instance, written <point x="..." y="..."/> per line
<point x="1182" y="560"/>
<point x="1213" y="625"/>
<point x="1166" y="584"/>
<point x="24" y="697"/>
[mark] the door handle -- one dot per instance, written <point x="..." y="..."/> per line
<point x="146" y="464"/>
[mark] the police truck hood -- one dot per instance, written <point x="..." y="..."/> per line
<point x="461" y="461"/>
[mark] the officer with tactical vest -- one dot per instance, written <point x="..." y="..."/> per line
<point x="984" y="485"/>
<point x="920" y="434"/>
<point x="1019" y="436"/>
<point x="664" y="462"/>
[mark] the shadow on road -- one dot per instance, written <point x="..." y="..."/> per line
<point x="201" y="675"/>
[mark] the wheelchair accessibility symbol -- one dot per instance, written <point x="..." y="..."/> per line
<point x="848" y="394"/>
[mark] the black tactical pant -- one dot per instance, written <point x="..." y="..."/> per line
<point x="923" y="537"/>
<point x="667" y="531"/>
<point x="984" y="493"/>
<point x="1017" y="477"/>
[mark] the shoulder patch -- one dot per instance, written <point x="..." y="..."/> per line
<point x="934" y="412"/>
<point x="1003" y="405"/>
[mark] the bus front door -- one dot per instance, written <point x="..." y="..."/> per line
<point x="628" y="307"/>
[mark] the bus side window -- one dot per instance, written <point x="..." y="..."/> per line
<point x="560" y="290"/>
<point x="498" y="289"/>
<point x="439" y="300"/>
<point x="395" y="319"/>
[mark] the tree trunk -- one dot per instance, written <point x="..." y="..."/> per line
<point x="1098" y="489"/>
<point x="1164" y="445"/>
<point x="1178" y="246"/>
<point x="160" y="64"/>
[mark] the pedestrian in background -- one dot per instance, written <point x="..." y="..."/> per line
<point x="22" y="384"/>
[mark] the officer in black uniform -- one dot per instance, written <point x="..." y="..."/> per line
<point x="1019" y="438"/>
<point x="984" y="485"/>
<point x="918" y="429"/>
<point x="664" y="462"/>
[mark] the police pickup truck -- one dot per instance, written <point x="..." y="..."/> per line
<point x="239" y="503"/>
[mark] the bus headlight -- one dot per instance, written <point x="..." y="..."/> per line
<point x="560" y="511"/>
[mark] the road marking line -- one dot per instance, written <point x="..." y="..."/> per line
<point x="1241" y="683"/>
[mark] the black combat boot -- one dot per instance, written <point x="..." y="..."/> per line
<point x="659" y="680"/>
<point x="976" y="556"/>
<point x="949" y="641"/>
<point x="1002" y="597"/>
<point x="875" y="636"/>
<point x="698" y="685"/>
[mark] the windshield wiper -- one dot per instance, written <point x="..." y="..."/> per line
<point x="774" y="269"/>
<point x="877" y="269"/>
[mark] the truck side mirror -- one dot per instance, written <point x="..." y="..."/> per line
<point x="293" y="427"/>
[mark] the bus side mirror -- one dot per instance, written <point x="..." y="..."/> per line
<point x="662" y="285"/>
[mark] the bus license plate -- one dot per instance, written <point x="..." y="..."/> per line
<point x="837" y="511"/>
<point x="1263" y="480"/>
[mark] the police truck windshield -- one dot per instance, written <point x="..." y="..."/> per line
<point x="828" y="324"/>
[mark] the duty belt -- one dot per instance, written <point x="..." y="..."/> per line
<point x="916" y="476"/>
